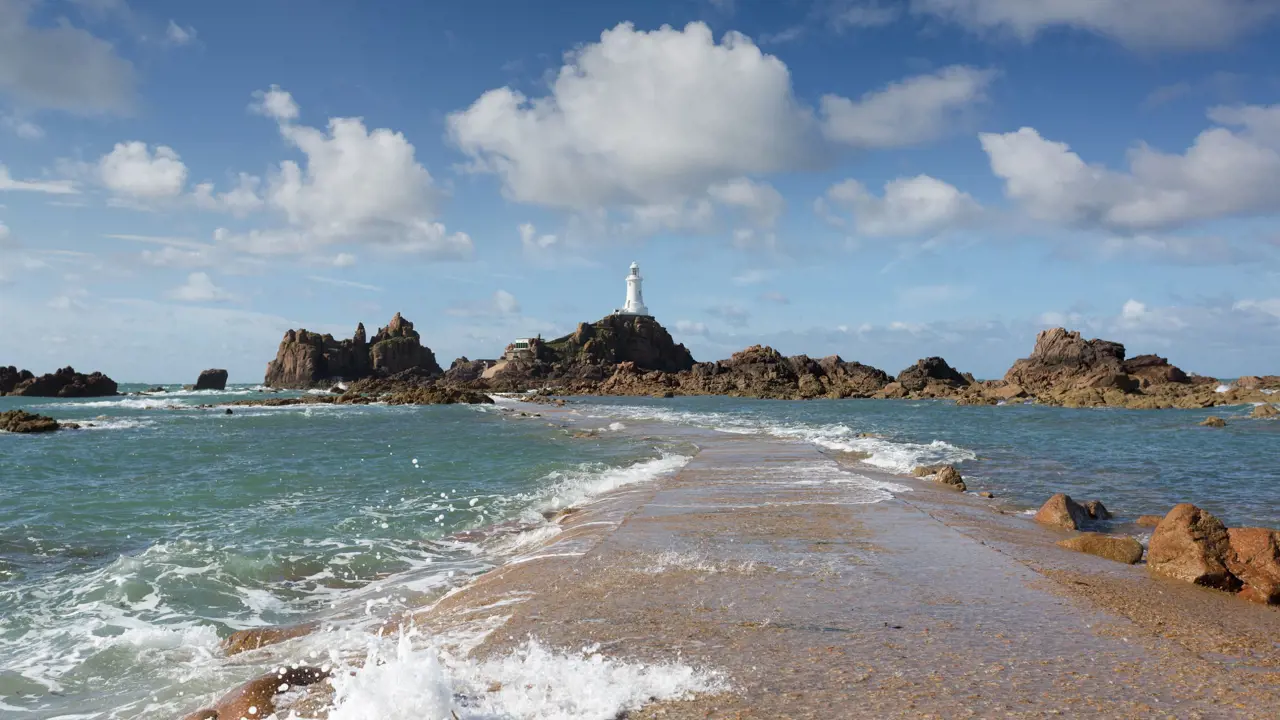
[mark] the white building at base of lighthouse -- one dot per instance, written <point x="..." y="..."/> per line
<point x="635" y="295"/>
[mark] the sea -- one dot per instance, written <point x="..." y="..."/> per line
<point x="130" y="548"/>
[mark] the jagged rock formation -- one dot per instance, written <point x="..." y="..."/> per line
<point x="929" y="378"/>
<point x="21" y="421"/>
<point x="1065" y="369"/>
<point x="306" y="359"/>
<point x="65" y="383"/>
<point x="211" y="380"/>
<point x="759" y="371"/>
<point x="592" y="353"/>
<point x="464" y="371"/>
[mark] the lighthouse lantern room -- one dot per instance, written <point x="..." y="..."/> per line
<point x="635" y="295"/>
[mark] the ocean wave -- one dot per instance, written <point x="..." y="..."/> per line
<point x="572" y="488"/>
<point x="406" y="681"/>
<point x="128" y="403"/>
<point x="112" y="424"/>
<point x="890" y="455"/>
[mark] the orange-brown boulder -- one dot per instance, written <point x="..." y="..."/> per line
<point x="254" y="638"/>
<point x="1121" y="549"/>
<point x="1149" y="520"/>
<point x="1061" y="511"/>
<point x="257" y="698"/>
<point x="1191" y="545"/>
<point x="1254" y="558"/>
<point x="948" y="476"/>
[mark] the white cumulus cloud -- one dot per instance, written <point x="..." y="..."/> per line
<point x="199" y="288"/>
<point x="355" y="186"/>
<point x="910" y="207"/>
<point x="1231" y="169"/>
<point x="134" y="170"/>
<point x="909" y="112"/>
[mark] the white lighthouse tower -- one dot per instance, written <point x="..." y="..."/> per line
<point x="635" y="295"/>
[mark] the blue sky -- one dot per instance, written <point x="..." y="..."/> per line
<point x="180" y="183"/>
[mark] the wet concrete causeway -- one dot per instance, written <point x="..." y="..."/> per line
<point x="770" y="562"/>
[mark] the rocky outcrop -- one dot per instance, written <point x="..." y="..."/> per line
<point x="11" y="377"/>
<point x="306" y="360"/>
<point x="931" y="375"/>
<point x="758" y="371"/>
<point x="211" y="380"/>
<point x="464" y="371"/>
<point x="1265" y="410"/>
<point x="1254" y="382"/>
<point x="398" y="347"/>
<point x="1064" y="360"/>
<point x="65" y="383"/>
<point x="1120" y="549"/>
<point x="1191" y="545"/>
<point x="1062" y="512"/>
<point x="1254" y="558"/>
<point x="1213" y="421"/>
<point x="21" y="421"/>
<point x="1149" y="520"/>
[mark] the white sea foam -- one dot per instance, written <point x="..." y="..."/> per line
<point x="129" y="403"/>
<point x="112" y="424"/>
<point x="616" y="426"/>
<point x="409" y="681"/>
<point x="1222" y="389"/>
<point x="572" y="488"/>
<point x="897" y="457"/>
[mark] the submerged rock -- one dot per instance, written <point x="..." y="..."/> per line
<point x="215" y="379"/>
<point x="1149" y="520"/>
<point x="1096" y="510"/>
<point x="1191" y="545"/>
<point x="256" y="698"/>
<point x="21" y="421"/>
<point x="1254" y="558"/>
<point x="1265" y="410"/>
<point x="254" y="638"/>
<point x="1213" y="421"/>
<point x="1063" y="512"/>
<point x="1121" y="549"/>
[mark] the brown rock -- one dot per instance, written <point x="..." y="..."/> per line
<point x="259" y="694"/>
<point x="1265" y="410"/>
<point x="254" y="638"/>
<point x="1254" y="558"/>
<point x="1061" y="511"/>
<point x="1121" y="549"/>
<point x="986" y="495"/>
<point x="65" y="383"/>
<point x="306" y="359"/>
<point x="1191" y="545"/>
<point x="933" y="370"/>
<point x="21" y="421"/>
<point x="1096" y="510"/>
<point x="925" y="470"/>
<point x="1213" y="421"/>
<point x="211" y="380"/>
<point x="1149" y="520"/>
<point x="950" y="477"/>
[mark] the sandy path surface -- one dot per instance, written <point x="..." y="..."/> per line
<point x="768" y="561"/>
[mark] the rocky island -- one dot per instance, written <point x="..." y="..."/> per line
<point x="64" y="383"/>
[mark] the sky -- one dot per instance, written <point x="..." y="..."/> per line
<point x="880" y="179"/>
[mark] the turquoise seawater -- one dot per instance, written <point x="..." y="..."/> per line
<point x="129" y="548"/>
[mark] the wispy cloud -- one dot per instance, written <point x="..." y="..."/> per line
<point x="344" y="283"/>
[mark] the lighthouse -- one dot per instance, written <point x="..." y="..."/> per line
<point x="635" y="295"/>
